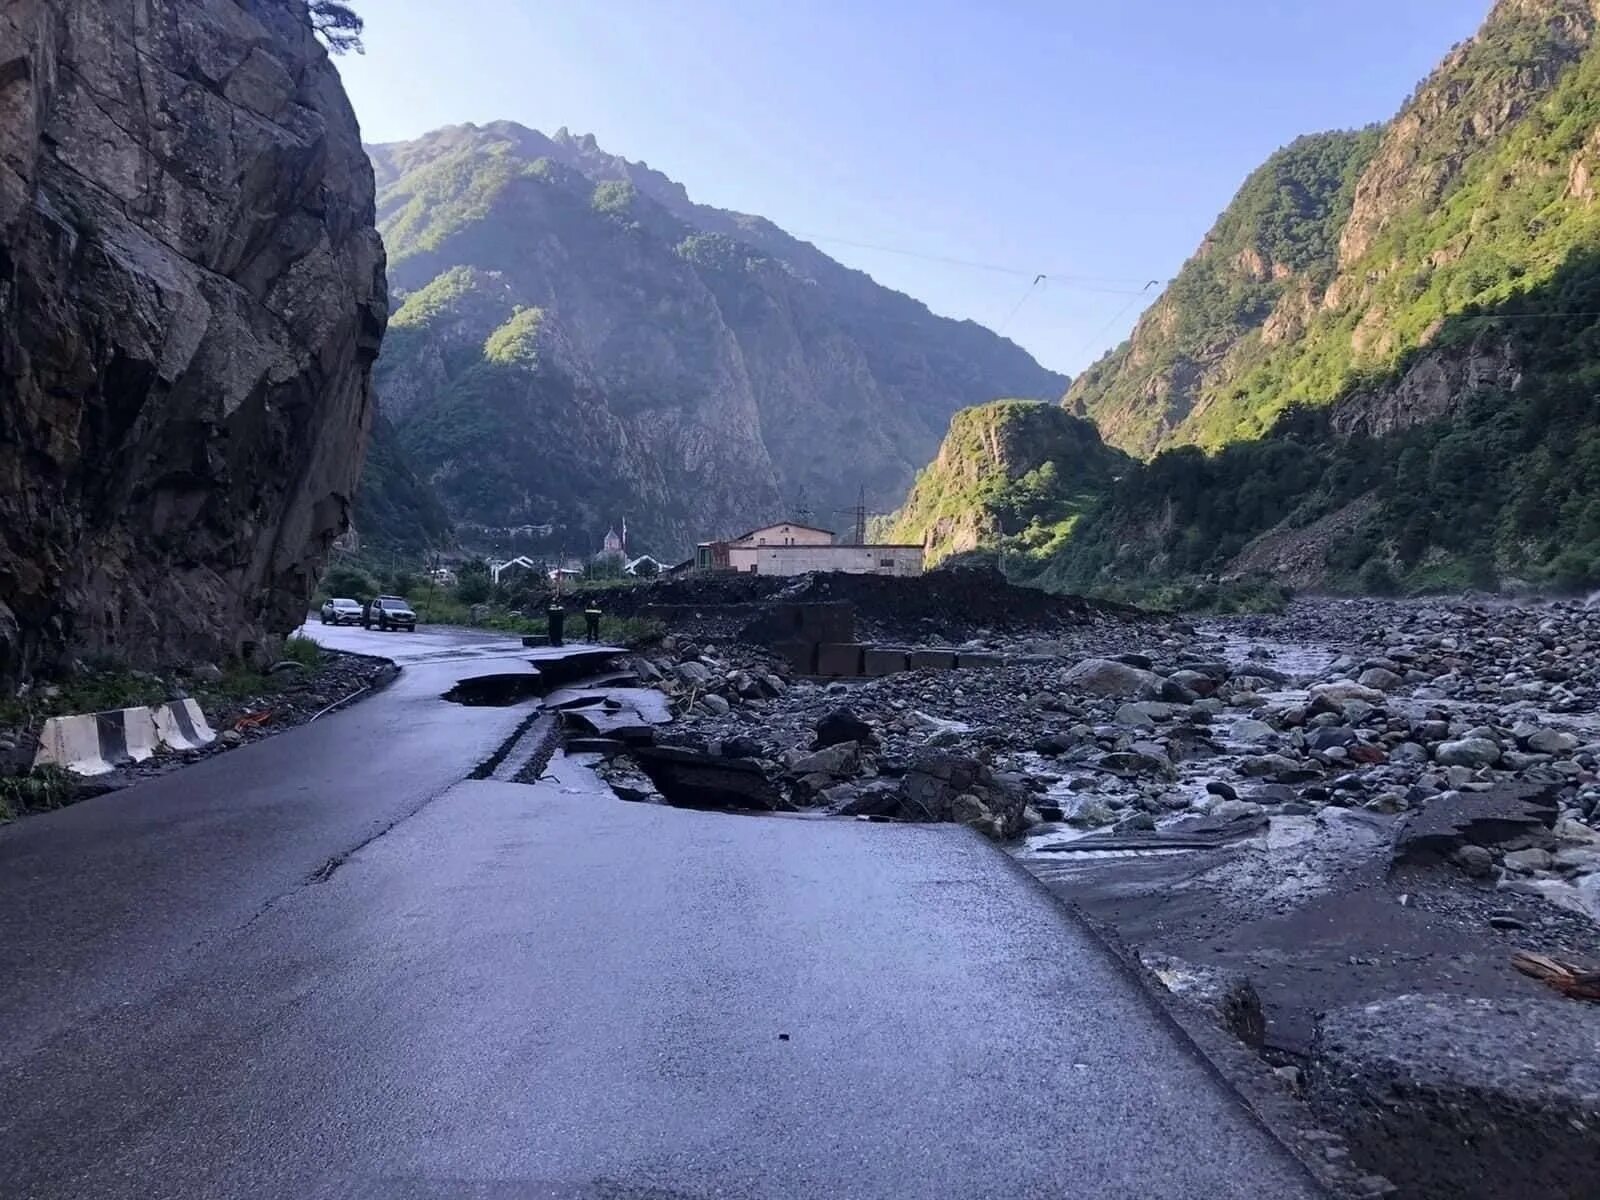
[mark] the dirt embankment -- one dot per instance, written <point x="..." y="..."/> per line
<point x="946" y="606"/>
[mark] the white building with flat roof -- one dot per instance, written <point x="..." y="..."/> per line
<point x="791" y="548"/>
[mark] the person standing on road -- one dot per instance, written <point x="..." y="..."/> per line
<point x="591" y="621"/>
<point x="555" y="617"/>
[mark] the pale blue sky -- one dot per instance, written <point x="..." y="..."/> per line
<point x="1077" y="139"/>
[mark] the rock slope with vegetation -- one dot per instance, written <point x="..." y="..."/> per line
<point x="1377" y="371"/>
<point x="576" y="340"/>
<point x="191" y="298"/>
<point x="1012" y="473"/>
<point x="1406" y="398"/>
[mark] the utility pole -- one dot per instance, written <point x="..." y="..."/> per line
<point x="858" y="515"/>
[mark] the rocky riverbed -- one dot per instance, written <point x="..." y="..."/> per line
<point x="1293" y="821"/>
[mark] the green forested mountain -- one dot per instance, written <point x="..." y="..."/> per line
<point x="1413" y="400"/>
<point x="394" y="509"/>
<point x="1241" y="294"/>
<point x="576" y="343"/>
<point x="1012" y="473"/>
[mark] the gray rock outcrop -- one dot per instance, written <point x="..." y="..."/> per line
<point x="191" y="297"/>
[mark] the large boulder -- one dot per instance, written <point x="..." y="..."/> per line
<point x="191" y="298"/>
<point x="944" y="786"/>
<point x="1108" y="677"/>
<point x="842" y="725"/>
<point x="1467" y="752"/>
<point x="839" y="759"/>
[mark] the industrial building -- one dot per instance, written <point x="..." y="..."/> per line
<point x="791" y="548"/>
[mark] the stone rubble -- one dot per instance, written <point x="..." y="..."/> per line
<point x="1129" y="724"/>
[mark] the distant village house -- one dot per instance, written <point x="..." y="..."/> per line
<point x="645" y="564"/>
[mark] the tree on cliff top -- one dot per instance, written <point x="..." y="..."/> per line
<point x="338" y="24"/>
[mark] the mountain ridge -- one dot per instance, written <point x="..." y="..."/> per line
<point x="689" y="368"/>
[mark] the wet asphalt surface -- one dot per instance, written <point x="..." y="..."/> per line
<point x="323" y="965"/>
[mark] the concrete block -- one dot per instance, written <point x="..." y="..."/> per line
<point x="182" y="726"/>
<point x="937" y="660"/>
<point x="94" y="743"/>
<point x="801" y="656"/>
<point x="73" y="743"/>
<point x="884" y="660"/>
<point x="139" y="735"/>
<point x="830" y="621"/>
<point x="972" y="659"/>
<point x="839" y="658"/>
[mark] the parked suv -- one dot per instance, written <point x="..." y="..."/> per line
<point x="341" y="611"/>
<point x="388" y="612"/>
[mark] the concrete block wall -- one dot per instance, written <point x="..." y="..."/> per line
<point x="95" y="743"/>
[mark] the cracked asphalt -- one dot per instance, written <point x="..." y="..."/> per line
<point x="513" y="991"/>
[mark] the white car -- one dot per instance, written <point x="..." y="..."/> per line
<point x="341" y="611"/>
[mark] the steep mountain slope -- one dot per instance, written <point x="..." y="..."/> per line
<point x="1270" y="253"/>
<point x="577" y="342"/>
<point x="1428" y="413"/>
<point x="1011" y="473"/>
<point x="394" y="509"/>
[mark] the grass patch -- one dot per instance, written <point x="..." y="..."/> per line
<point x="40" y="790"/>
<point x="303" y="651"/>
<point x="100" y="691"/>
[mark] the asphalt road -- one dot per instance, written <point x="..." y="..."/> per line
<point x="492" y="990"/>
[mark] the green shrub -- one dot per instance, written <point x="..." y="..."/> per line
<point x="348" y="581"/>
<point x="40" y="790"/>
<point x="1377" y="578"/>
<point x="1573" y="571"/>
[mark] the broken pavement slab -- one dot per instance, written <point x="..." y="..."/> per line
<point x="690" y="778"/>
<point x="1415" y="1080"/>
<point x="1488" y="818"/>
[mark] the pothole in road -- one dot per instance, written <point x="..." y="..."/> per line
<point x="495" y="691"/>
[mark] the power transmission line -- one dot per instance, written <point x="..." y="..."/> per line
<point x="1021" y="300"/>
<point x="1120" y="313"/>
<point x="1059" y="277"/>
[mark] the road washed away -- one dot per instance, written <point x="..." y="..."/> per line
<point x="1298" y="823"/>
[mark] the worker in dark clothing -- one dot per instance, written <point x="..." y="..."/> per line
<point x="591" y="622"/>
<point x="557" y="617"/>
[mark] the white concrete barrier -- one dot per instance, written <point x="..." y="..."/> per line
<point x="73" y="743"/>
<point x="139" y="736"/>
<point x="182" y="726"/>
<point x="94" y="743"/>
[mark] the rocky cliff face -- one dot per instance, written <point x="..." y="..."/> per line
<point x="1012" y="475"/>
<point x="191" y="296"/>
<point x="577" y="342"/>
